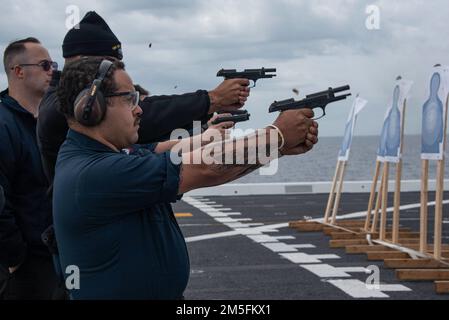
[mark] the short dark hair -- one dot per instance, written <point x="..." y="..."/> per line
<point x="14" y="49"/>
<point x="79" y="75"/>
<point x="141" y="90"/>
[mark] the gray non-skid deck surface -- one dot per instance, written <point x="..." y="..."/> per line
<point x="236" y="267"/>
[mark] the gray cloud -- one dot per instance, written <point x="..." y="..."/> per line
<point x="313" y="44"/>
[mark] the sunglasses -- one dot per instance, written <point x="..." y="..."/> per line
<point x="132" y="97"/>
<point x="45" y="64"/>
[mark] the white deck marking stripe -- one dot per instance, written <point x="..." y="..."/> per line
<point x="284" y="225"/>
<point x="212" y="236"/>
<point x="311" y="262"/>
<point x="284" y="247"/>
<point x="354" y="269"/>
<point x="358" y="289"/>
<point x="393" y="287"/>
<point x="267" y="238"/>
<point x="301" y="257"/>
<point x="325" y="271"/>
<point x="242" y="225"/>
<point x="227" y="219"/>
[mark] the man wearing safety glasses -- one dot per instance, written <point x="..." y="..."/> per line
<point x="26" y="265"/>
<point x="112" y="212"/>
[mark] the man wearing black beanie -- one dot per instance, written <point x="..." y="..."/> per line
<point x="161" y="114"/>
<point x="93" y="37"/>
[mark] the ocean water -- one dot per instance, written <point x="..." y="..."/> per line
<point x="319" y="163"/>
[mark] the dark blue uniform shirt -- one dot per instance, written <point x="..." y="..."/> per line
<point x="27" y="208"/>
<point x="113" y="220"/>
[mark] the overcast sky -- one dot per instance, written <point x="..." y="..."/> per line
<point x="313" y="44"/>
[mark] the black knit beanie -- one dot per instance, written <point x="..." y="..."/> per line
<point x="93" y="37"/>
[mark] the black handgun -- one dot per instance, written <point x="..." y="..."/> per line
<point x="250" y="74"/>
<point x="234" y="112"/>
<point x="315" y="100"/>
<point x="237" y="116"/>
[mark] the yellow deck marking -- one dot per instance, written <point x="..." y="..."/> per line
<point x="183" y="215"/>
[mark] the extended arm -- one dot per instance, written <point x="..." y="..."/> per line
<point x="229" y="160"/>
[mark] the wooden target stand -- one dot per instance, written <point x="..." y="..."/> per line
<point x="400" y="248"/>
<point x="438" y="253"/>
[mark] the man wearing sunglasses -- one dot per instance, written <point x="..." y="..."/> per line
<point x="27" y="208"/>
<point x="46" y="65"/>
